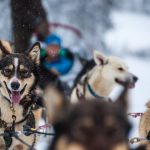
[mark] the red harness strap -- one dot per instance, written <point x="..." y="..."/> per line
<point x="134" y="115"/>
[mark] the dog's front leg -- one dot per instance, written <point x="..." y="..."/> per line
<point x="2" y="144"/>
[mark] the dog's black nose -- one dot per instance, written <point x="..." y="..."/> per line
<point x="135" y="78"/>
<point x="15" y="85"/>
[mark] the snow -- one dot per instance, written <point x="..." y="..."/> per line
<point x="140" y="95"/>
<point x="43" y="141"/>
<point x="5" y="20"/>
<point x="131" y="32"/>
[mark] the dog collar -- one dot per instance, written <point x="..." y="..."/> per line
<point x="93" y="93"/>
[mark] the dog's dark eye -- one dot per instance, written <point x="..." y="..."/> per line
<point x="24" y="73"/>
<point x="120" y="69"/>
<point x="7" y="71"/>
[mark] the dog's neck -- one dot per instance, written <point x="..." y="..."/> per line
<point x="99" y="84"/>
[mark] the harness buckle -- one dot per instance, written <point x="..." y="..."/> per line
<point x="12" y="108"/>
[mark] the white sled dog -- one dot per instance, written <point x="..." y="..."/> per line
<point x="99" y="82"/>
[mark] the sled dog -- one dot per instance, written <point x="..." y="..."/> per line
<point x="99" y="82"/>
<point x="93" y="125"/>
<point x="18" y="77"/>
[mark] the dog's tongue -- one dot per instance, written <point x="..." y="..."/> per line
<point x="15" y="97"/>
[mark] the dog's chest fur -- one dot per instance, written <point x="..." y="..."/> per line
<point x="6" y="116"/>
<point x="6" y="113"/>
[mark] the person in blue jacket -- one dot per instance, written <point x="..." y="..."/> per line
<point x="57" y="59"/>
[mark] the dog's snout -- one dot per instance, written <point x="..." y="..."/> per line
<point x="135" y="78"/>
<point x="15" y="85"/>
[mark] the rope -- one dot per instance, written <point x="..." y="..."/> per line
<point x="51" y="134"/>
<point x="69" y="27"/>
<point x="16" y="135"/>
<point x="137" y="140"/>
<point x="65" y="26"/>
<point x="31" y="147"/>
<point x="27" y="130"/>
<point x="30" y="131"/>
<point x="44" y="126"/>
<point x="135" y="115"/>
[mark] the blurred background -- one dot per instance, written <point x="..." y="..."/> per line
<point x="115" y="27"/>
<point x="118" y="25"/>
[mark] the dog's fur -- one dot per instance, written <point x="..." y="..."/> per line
<point x="103" y="77"/>
<point x="144" y="127"/>
<point x="53" y="100"/>
<point x="52" y="93"/>
<point x="93" y="125"/>
<point x="23" y="70"/>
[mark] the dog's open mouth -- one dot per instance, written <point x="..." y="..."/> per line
<point x="15" y="96"/>
<point x="131" y="85"/>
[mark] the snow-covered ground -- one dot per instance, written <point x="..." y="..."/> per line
<point x="140" y="94"/>
<point x="5" y="20"/>
<point x="130" y="35"/>
<point x="130" y="32"/>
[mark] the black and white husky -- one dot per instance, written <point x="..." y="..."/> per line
<point x="18" y="77"/>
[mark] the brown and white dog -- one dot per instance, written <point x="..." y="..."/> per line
<point x="18" y="77"/>
<point x="99" y="82"/>
<point x="93" y="125"/>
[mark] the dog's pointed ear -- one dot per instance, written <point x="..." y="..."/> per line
<point x="122" y="99"/>
<point x="5" y="48"/>
<point x="99" y="58"/>
<point x="34" y="53"/>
